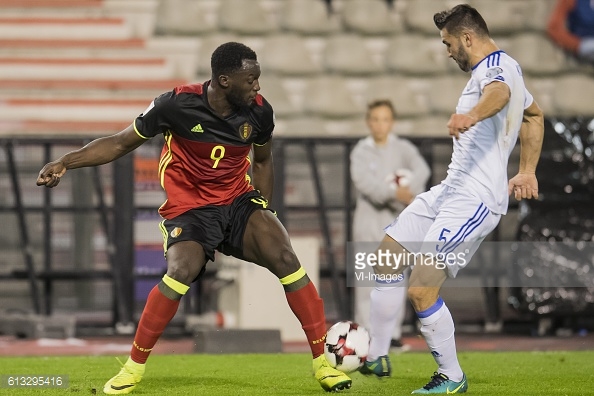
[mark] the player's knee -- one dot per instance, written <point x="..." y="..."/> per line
<point x="289" y="259"/>
<point x="421" y="297"/>
<point x="181" y="273"/>
<point x="287" y="262"/>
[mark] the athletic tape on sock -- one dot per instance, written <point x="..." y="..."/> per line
<point x="295" y="281"/>
<point x="178" y="288"/>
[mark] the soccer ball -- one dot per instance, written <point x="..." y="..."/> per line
<point x="347" y="345"/>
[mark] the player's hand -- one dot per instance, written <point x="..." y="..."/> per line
<point x="50" y="174"/>
<point x="524" y="186"/>
<point x="460" y="123"/>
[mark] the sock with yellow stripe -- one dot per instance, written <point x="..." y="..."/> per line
<point x="161" y="306"/>
<point x="308" y="307"/>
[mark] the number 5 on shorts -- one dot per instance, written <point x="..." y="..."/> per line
<point x="442" y="237"/>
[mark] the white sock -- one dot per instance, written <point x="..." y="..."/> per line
<point x="438" y="330"/>
<point x="386" y="302"/>
<point x="401" y="299"/>
<point x="362" y="304"/>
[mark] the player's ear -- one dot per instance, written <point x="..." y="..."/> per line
<point x="223" y="81"/>
<point x="467" y="39"/>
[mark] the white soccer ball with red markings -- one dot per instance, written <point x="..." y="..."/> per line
<point x="347" y="346"/>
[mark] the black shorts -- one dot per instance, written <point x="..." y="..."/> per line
<point x="219" y="227"/>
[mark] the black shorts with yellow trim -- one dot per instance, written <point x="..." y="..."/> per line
<point x="215" y="227"/>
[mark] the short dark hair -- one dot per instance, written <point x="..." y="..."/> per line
<point x="461" y="17"/>
<point x="379" y="103"/>
<point x="228" y="58"/>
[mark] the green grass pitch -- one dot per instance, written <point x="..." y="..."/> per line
<point x="489" y="373"/>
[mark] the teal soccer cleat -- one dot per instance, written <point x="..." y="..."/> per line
<point x="381" y="367"/>
<point x="441" y="384"/>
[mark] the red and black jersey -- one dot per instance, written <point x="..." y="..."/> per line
<point x="205" y="158"/>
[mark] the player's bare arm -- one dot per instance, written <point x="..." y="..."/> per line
<point x="525" y="185"/>
<point x="262" y="169"/>
<point x="495" y="97"/>
<point x="99" y="151"/>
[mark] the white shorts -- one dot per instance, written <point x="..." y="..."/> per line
<point x="444" y="222"/>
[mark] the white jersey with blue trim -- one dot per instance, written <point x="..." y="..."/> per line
<point x="480" y="155"/>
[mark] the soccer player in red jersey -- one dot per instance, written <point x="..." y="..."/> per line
<point x="212" y="204"/>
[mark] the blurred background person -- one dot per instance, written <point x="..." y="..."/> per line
<point x="388" y="172"/>
<point x="571" y="26"/>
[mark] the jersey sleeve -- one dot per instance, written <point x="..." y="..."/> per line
<point x="266" y="125"/>
<point x="496" y="73"/>
<point x="155" y="119"/>
<point x="528" y="98"/>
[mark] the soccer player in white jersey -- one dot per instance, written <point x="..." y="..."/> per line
<point x="456" y="215"/>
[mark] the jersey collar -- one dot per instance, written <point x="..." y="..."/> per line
<point x="481" y="61"/>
